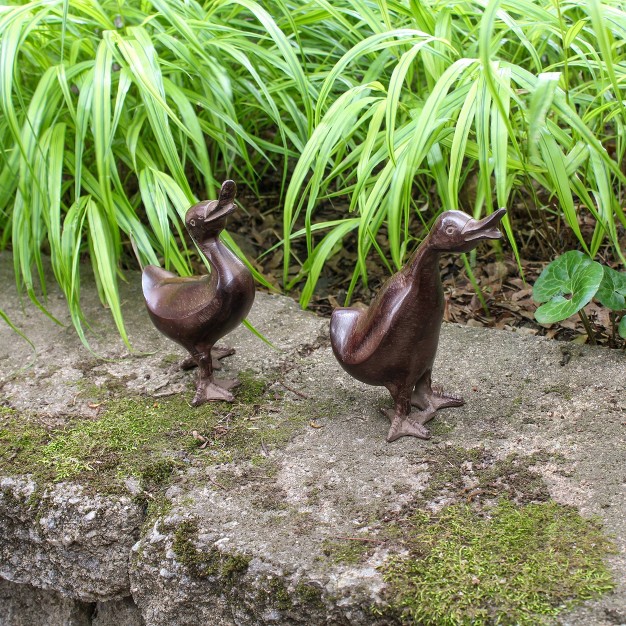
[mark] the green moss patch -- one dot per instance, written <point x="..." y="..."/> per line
<point x="510" y="565"/>
<point x="206" y="563"/>
<point x="20" y="435"/>
<point x="348" y="551"/>
<point x="482" y="544"/>
<point x="148" y="438"/>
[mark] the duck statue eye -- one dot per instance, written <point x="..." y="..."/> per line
<point x="450" y="230"/>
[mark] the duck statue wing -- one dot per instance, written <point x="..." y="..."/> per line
<point x="169" y="296"/>
<point x="357" y="335"/>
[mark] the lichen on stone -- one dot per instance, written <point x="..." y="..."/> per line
<point x="212" y="562"/>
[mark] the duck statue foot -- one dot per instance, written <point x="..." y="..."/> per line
<point x="434" y="398"/>
<point x="217" y="353"/>
<point x="214" y="391"/>
<point x="411" y="425"/>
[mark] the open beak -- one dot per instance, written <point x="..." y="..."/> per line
<point x="225" y="205"/>
<point x="487" y="228"/>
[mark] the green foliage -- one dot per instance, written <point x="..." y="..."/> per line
<point x="512" y="565"/>
<point x="512" y="95"/>
<point x="117" y="116"/>
<point x="612" y="290"/>
<point x="575" y="275"/>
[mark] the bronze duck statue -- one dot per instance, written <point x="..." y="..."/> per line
<point x="197" y="311"/>
<point x="393" y="342"/>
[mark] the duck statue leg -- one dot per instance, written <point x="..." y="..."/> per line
<point x="404" y="422"/>
<point x="217" y="353"/>
<point x="424" y="397"/>
<point x="207" y="388"/>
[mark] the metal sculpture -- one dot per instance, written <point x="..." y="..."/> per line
<point x="393" y="342"/>
<point x="197" y="311"/>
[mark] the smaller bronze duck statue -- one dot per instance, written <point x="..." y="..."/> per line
<point x="393" y="342"/>
<point x="197" y="311"/>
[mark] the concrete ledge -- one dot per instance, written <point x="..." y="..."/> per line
<point x="254" y="541"/>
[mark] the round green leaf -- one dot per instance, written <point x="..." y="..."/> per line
<point x="566" y="286"/>
<point x="621" y="329"/>
<point x="612" y="290"/>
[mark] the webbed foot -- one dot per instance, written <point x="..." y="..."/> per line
<point x="214" y="391"/>
<point x="217" y="353"/>
<point x="411" y="425"/>
<point x="434" y="399"/>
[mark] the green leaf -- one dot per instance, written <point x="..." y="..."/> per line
<point x="101" y="244"/>
<point x="572" y="274"/>
<point x="621" y="329"/>
<point x="322" y="252"/>
<point x="556" y="165"/>
<point x="612" y="290"/>
<point x="540" y="104"/>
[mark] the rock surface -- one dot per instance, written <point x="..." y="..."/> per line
<point x="248" y="543"/>
<point x="64" y="539"/>
<point x="23" y="605"/>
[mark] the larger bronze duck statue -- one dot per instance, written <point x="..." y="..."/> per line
<point x="393" y="342"/>
<point x="197" y="311"/>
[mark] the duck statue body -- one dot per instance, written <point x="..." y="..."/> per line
<point x="394" y="341"/>
<point x="197" y="311"/>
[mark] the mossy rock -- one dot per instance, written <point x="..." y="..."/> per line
<point x="210" y="563"/>
<point x="149" y="439"/>
<point x="509" y="565"/>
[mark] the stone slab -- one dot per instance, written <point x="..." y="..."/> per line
<point x="524" y="394"/>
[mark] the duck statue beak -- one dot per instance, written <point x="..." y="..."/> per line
<point x="225" y="205"/>
<point x="487" y="228"/>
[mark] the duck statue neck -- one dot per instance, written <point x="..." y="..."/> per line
<point x="394" y="341"/>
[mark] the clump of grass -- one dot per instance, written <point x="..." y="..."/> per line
<point x="510" y="565"/>
<point x="466" y="106"/>
<point x="114" y="121"/>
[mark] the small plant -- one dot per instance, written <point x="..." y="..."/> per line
<point x="570" y="282"/>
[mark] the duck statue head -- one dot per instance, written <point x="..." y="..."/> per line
<point x="207" y="219"/>
<point x="455" y="231"/>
